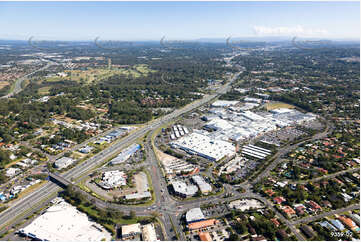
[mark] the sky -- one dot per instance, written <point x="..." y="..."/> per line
<point x="177" y="20"/>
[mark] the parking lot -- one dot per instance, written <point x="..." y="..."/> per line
<point x="279" y="137"/>
<point x="315" y="125"/>
<point x="215" y="210"/>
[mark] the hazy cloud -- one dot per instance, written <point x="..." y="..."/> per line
<point x="287" y="31"/>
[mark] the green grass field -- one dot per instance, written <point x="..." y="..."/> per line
<point x="98" y="74"/>
<point x="44" y="90"/>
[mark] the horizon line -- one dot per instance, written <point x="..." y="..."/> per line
<point x="202" y="39"/>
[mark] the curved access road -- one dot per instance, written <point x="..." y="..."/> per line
<point x="17" y="85"/>
<point x="21" y="207"/>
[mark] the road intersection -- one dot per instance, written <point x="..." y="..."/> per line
<point x="170" y="210"/>
<point x="21" y="207"/>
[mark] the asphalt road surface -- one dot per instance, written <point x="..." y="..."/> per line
<point x="170" y="209"/>
<point x="24" y="204"/>
<point x="19" y="81"/>
<point x="326" y="214"/>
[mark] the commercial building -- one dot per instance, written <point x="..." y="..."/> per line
<point x="138" y="195"/>
<point x="86" y="149"/>
<point x="125" y="154"/>
<point x="178" y="131"/>
<point x="148" y="233"/>
<point x="113" y="179"/>
<point x="237" y="123"/>
<point x="203" y="186"/>
<point x="252" y="116"/>
<point x="252" y="100"/>
<point x="245" y="204"/>
<point x="63" y="162"/>
<point x="194" y="215"/>
<point x="10" y="172"/>
<point x="281" y="110"/>
<point x="63" y="222"/>
<point x="224" y="103"/>
<point x="173" y="166"/>
<point x="292" y="116"/>
<point x="204" y="146"/>
<point x="218" y="124"/>
<point x="130" y="231"/>
<point x="117" y="133"/>
<point x="202" y="224"/>
<point x="182" y="189"/>
<point x="209" y="117"/>
<point x="255" y="151"/>
<point x="204" y="236"/>
<point x="233" y="165"/>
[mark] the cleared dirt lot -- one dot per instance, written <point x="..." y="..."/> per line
<point x="3" y="84"/>
<point x="275" y="105"/>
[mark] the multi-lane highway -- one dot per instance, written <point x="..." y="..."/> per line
<point x="170" y="210"/>
<point x="52" y="158"/>
<point x="23" y="205"/>
<point x="17" y="85"/>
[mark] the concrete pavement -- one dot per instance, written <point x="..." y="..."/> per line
<point x="21" y="206"/>
<point x="164" y="204"/>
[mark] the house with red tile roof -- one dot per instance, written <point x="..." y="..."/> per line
<point x="269" y="192"/>
<point x="348" y="222"/>
<point x="314" y="206"/>
<point x="326" y="203"/>
<point x="275" y="222"/>
<point x="324" y="183"/>
<point x="322" y="170"/>
<point x="279" y="200"/>
<point x="288" y="211"/>
<point x="303" y="187"/>
<point x="338" y="181"/>
<point x="326" y="143"/>
<point x="300" y="209"/>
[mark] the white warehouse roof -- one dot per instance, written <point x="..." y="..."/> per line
<point x="218" y="123"/>
<point x="148" y="233"/>
<point x="63" y="222"/>
<point x="202" y="184"/>
<point x="131" y="229"/>
<point x="63" y="162"/>
<point x="224" y="103"/>
<point x="205" y="146"/>
<point x="182" y="188"/>
<point x="252" y="116"/>
<point x="281" y="110"/>
<point x="194" y="214"/>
